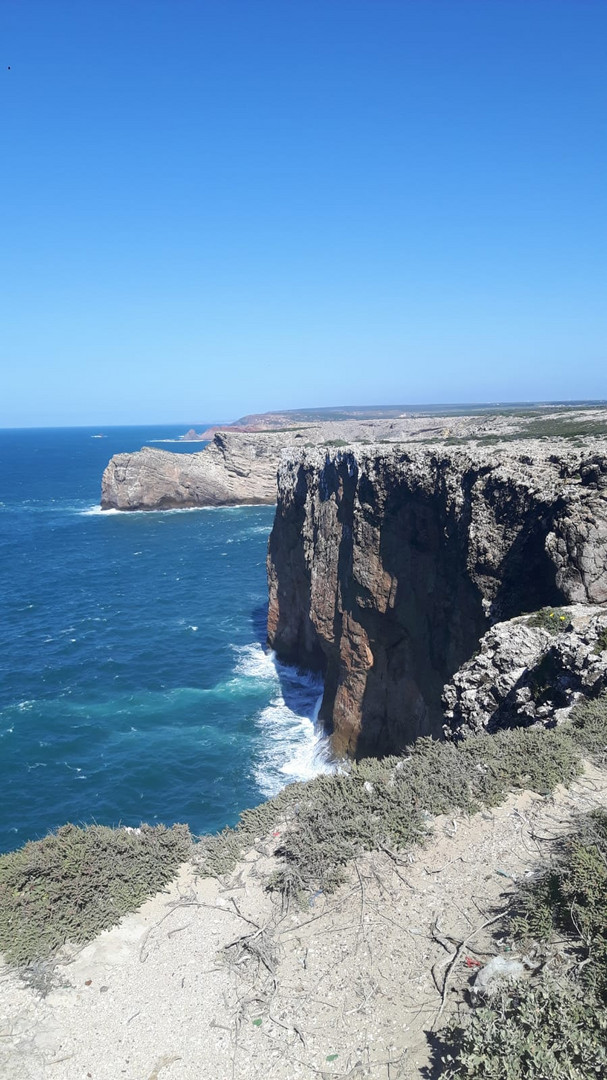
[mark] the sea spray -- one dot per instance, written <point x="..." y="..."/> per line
<point x="292" y="746"/>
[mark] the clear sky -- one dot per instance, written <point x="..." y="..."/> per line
<point x="212" y="207"/>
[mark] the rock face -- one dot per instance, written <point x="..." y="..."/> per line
<point x="529" y="670"/>
<point x="234" y="469"/>
<point x="387" y="565"/>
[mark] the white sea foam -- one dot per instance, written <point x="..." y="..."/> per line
<point x="257" y="530"/>
<point x="294" y="748"/>
<point x="255" y="662"/>
<point x="96" y="510"/>
<point x="93" y="510"/>
<point x="292" y="745"/>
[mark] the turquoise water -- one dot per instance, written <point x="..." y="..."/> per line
<point x="134" y="685"/>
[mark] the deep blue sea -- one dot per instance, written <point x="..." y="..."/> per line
<point x="134" y="685"/>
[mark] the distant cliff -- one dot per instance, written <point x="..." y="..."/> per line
<point x="387" y="565"/>
<point x="232" y="470"/>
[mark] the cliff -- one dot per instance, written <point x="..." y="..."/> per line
<point x="239" y="466"/>
<point x="387" y="565"/>
<point x="232" y="470"/>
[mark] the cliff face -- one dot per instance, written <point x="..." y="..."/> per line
<point x="232" y="470"/>
<point x="386" y="566"/>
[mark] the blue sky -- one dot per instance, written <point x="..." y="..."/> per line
<point x="212" y="207"/>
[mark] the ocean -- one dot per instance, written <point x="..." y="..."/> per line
<point x="134" y="682"/>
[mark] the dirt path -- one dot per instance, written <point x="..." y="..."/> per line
<point x="210" y="981"/>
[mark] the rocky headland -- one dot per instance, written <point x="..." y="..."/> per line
<point x="240" y="463"/>
<point x="389" y="566"/>
<point x="234" y="469"/>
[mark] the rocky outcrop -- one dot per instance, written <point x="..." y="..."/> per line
<point x="387" y="565"/>
<point x="234" y="469"/>
<point x="529" y="670"/>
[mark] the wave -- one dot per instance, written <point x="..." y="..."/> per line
<point x="254" y="662"/>
<point x="94" y="510"/>
<point x="292" y="744"/>
<point x="295" y="748"/>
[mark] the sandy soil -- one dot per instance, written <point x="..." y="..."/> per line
<point x="212" y="981"/>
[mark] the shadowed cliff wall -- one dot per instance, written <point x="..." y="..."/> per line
<point x="386" y="566"/>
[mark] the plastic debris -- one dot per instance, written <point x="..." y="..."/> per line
<point x="494" y="974"/>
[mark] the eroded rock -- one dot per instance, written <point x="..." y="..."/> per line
<point x="234" y="469"/>
<point x="525" y="674"/>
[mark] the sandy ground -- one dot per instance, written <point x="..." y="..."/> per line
<point x="210" y="980"/>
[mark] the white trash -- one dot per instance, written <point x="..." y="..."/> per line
<point x="495" y="973"/>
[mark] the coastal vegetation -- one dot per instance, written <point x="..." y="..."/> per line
<point x="549" y="428"/>
<point x="554" y="1026"/>
<point x="77" y="882"/>
<point x="388" y="803"/>
<point x="551" y="619"/>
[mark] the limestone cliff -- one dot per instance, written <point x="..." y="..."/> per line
<point x="239" y="466"/>
<point x="232" y="470"/>
<point x="387" y="565"/>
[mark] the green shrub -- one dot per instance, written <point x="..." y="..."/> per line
<point x="77" y="882"/>
<point x="547" y="1031"/>
<point x="552" y="619"/>
<point x="571" y="899"/>
<point x="589" y="728"/>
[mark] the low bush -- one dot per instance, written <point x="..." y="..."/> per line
<point x="571" y="899"/>
<point x="77" y="882"/>
<point x="552" y="619"/>
<point x="548" y="1029"/>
